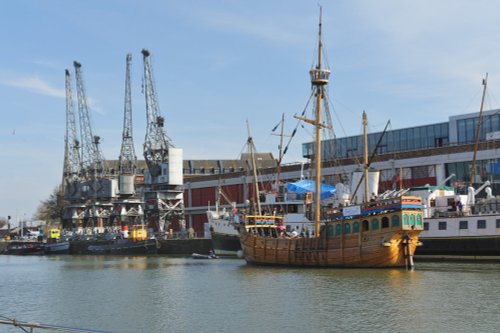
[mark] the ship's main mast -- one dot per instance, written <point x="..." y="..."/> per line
<point x="319" y="79"/>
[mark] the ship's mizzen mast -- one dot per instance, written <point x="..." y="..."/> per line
<point x="365" y="156"/>
<point x="257" y="210"/>
<point x="319" y="79"/>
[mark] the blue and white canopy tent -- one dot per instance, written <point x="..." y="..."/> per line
<point x="306" y="185"/>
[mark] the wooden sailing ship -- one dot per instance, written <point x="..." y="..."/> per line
<point x="381" y="233"/>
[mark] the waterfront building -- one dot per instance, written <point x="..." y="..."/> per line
<point x="407" y="157"/>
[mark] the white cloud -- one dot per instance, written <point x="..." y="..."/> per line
<point x="265" y="27"/>
<point x="36" y="85"/>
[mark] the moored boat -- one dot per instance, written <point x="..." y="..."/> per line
<point x="373" y="237"/>
<point x="380" y="233"/>
<point x="210" y="255"/>
<point x="56" y="243"/>
<point x="136" y="242"/>
<point x="125" y="247"/>
<point x="59" y="247"/>
<point x="457" y="225"/>
<point x="24" y="248"/>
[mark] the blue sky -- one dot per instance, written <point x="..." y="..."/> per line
<point x="220" y="63"/>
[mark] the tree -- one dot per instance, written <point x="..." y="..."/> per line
<point x="3" y="222"/>
<point x="52" y="208"/>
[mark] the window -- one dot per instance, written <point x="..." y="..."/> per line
<point x="347" y="228"/>
<point x="405" y="220"/>
<point x="366" y="226"/>
<point x="426" y="225"/>
<point x="338" y="229"/>
<point x="355" y="227"/>
<point x="375" y="224"/>
<point x="442" y="225"/>
<point x="481" y="224"/>
<point x="395" y="221"/>
<point x="419" y="221"/>
<point x="330" y="231"/>
<point x="385" y="222"/>
<point x="463" y="225"/>
<point x="498" y="223"/>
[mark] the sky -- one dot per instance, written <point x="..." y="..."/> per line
<point x="222" y="64"/>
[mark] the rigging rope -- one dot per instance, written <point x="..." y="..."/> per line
<point x="58" y="328"/>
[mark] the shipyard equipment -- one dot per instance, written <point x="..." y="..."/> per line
<point x="100" y="186"/>
<point x="163" y="193"/>
<point x="128" y="158"/>
<point x="127" y="210"/>
<point x="71" y="186"/>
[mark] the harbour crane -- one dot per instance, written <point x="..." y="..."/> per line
<point x="127" y="159"/>
<point x="71" y="182"/>
<point x="92" y="161"/>
<point x="163" y="191"/>
<point x="71" y="167"/>
<point x="127" y="210"/>
<point x="99" y="189"/>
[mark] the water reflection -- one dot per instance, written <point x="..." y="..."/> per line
<point x="159" y="294"/>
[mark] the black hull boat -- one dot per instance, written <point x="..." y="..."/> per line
<point x="24" y="248"/>
<point x="467" y="247"/>
<point x="125" y="247"/>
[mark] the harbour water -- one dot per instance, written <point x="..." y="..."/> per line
<point x="164" y="294"/>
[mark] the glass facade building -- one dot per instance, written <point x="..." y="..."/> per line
<point x="458" y="131"/>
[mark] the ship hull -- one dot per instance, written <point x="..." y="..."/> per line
<point x="460" y="237"/>
<point x="125" y="247"/>
<point x="471" y="247"/>
<point x="225" y="244"/>
<point x="379" y="235"/>
<point x="57" y="248"/>
<point x="24" y="248"/>
<point x="352" y="251"/>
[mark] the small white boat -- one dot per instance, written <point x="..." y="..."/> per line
<point x="204" y="256"/>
